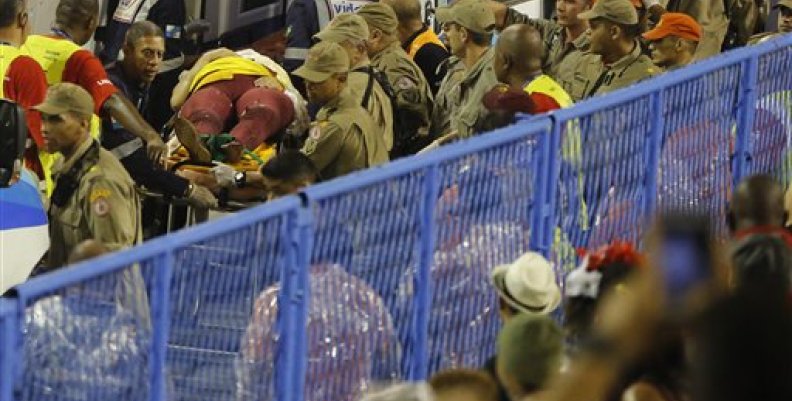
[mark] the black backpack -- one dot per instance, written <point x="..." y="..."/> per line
<point x="405" y="125"/>
<point x="13" y="135"/>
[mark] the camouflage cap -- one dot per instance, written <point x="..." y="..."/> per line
<point x="324" y="59"/>
<point x="784" y="3"/>
<point x="380" y="16"/>
<point x="67" y="97"/>
<point x="618" y="11"/>
<point x="473" y="15"/>
<point x="344" y="27"/>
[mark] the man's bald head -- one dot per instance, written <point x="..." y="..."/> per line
<point x="520" y="51"/>
<point x="406" y="10"/>
<point x="758" y="201"/>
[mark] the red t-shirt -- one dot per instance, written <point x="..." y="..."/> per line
<point x="85" y="70"/>
<point x="26" y="85"/>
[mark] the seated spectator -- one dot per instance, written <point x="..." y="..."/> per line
<point x="349" y="330"/>
<point x="602" y="270"/>
<point x="615" y="59"/>
<point x="757" y="207"/>
<point x="530" y="350"/>
<point x="527" y="286"/>
<point x="463" y="385"/>
<point x="784" y="8"/>
<point x="674" y="40"/>
<point x="284" y="174"/>
<point x="222" y="85"/>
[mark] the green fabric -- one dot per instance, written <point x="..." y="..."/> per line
<point x="215" y="143"/>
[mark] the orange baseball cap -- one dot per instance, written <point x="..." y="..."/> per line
<point x="676" y="24"/>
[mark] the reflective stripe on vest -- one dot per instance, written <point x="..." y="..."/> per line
<point x="224" y="69"/>
<point x="52" y="54"/>
<point x="548" y="86"/>
<point x="425" y="38"/>
<point x="7" y="56"/>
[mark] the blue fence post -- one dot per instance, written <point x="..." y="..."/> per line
<point x="160" y="308"/>
<point x="745" y="119"/>
<point x="550" y="182"/>
<point x="422" y="282"/>
<point x="292" y="368"/>
<point x="11" y="326"/>
<point x="652" y="153"/>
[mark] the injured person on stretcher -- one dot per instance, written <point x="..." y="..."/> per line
<point x="232" y="109"/>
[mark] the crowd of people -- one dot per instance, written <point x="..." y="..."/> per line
<point x="680" y="320"/>
<point x="378" y="84"/>
<point x="689" y="317"/>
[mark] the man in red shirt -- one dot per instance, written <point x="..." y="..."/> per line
<point x="23" y="80"/>
<point x="62" y="60"/>
<point x="518" y="63"/>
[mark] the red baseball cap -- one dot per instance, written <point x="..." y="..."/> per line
<point x="676" y="24"/>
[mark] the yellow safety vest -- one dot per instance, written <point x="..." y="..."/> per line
<point x="7" y="56"/>
<point x="426" y="37"/>
<point x="52" y="55"/>
<point x="548" y="86"/>
<point x="224" y="69"/>
<point x="571" y="147"/>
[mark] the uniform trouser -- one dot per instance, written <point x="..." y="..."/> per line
<point x="261" y="112"/>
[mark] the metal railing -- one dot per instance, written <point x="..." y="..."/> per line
<point x="384" y="274"/>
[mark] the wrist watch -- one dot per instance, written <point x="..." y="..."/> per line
<point x="240" y="179"/>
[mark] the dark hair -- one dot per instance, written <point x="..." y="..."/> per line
<point x="142" y="29"/>
<point x="763" y="261"/>
<point x="477" y="382"/>
<point x="9" y="9"/>
<point x="632" y="31"/>
<point x="743" y="350"/>
<point x="481" y="39"/>
<point x="290" y="165"/>
<point x="70" y="13"/>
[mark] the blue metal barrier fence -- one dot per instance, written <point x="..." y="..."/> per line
<point x="385" y="274"/>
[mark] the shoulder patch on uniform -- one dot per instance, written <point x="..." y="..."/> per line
<point x="316" y="131"/>
<point x="101" y="207"/>
<point x="405" y="83"/>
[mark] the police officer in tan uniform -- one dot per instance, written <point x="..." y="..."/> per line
<point x="447" y="96"/>
<point x="94" y="197"/>
<point x="351" y="32"/>
<point x="468" y="25"/>
<point x="343" y="138"/>
<point x="710" y="14"/>
<point x="614" y="59"/>
<point x="411" y="90"/>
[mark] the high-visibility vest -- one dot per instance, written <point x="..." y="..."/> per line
<point x="549" y="87"/>
<point x="224" y="69"/>
<point x="7" y="56"/>
<point x="426" y="37"/>
<point x="52" y="54"/>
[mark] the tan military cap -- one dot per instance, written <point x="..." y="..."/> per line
<point x="784" y="3"/>
<point x="324" y="59"/>
<point x="344" y="27"/>
<point x="474" y="15"/>
<point x="618" y="11"/>
<point x="380" y="16"/>
<point x="66" y="97"/>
